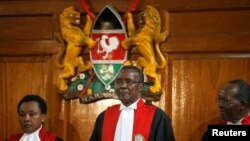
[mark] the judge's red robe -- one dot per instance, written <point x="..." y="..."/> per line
<point x="43" y="134"/>
<point x="149" y="121"/>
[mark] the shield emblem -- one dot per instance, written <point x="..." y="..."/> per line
<point x="107" y="55"/>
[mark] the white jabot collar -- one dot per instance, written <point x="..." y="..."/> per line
<point x="236" y="123"/>
<point x="31" y="137"/>
<point x="125" y="124"/>
<point x="132" y="106"/>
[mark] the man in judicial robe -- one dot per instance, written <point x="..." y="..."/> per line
<point x="132" y="120"/>
<point x="234" y="104"/>
<point x="32" y="110"/>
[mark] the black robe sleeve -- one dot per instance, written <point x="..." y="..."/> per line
<point x="161" y="128"/>
<point x="97" y="132"/>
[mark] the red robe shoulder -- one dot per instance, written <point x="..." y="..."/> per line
<point x="43" y="134"/>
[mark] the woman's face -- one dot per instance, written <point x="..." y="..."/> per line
<point x="30" y="116"/>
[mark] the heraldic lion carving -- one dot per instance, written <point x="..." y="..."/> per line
<point x="147" y="39"/>
<point x="76" y="39"/>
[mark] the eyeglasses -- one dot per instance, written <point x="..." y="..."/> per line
<point x="128" y="82"/>
<point x="227" y="103"/>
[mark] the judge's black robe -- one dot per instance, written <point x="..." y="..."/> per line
<point x="160" y="129"/>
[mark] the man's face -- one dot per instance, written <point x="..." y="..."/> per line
<point x="30" y="116"/>
<point x="128" y="87"/>
<point x="231" y="108"/>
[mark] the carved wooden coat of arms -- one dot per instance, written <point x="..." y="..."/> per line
<point x="105" y="37"/>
